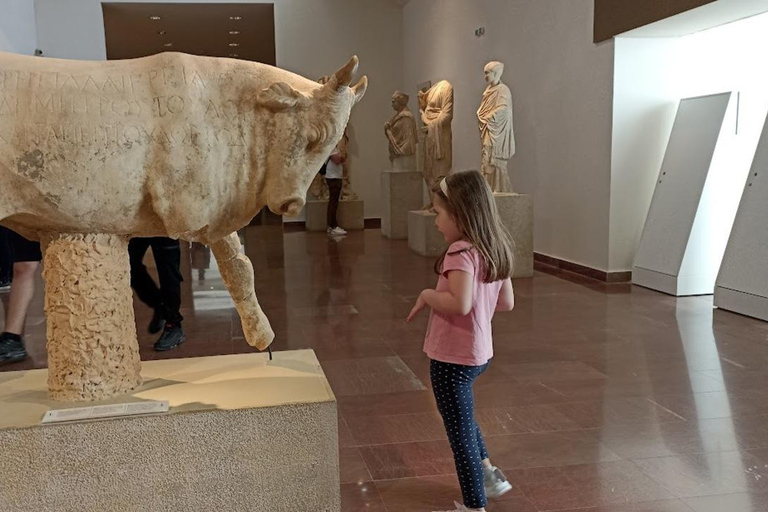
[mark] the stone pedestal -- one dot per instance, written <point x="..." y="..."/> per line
<point x="516" y="211"/>
<point x="402" y="191"/>
<point x="92" y="348"/>
<point x="351" y="215"/>
<point x="243" y="433"/>
<point x="404" y="163"/>
<point x="423" y="236"/>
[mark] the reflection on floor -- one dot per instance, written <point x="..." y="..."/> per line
<point x="600" y="396"/>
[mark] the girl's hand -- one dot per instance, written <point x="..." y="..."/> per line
<point x="420" y="304"/>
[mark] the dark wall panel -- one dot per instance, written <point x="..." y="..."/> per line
<point x="614" y="17"/>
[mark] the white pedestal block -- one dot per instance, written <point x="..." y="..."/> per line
<point x="351" y="215"/>
<point x="696" y="198"/>
<point x="742" y="285"/>
<point x="423" y="236"/>
<point x="516" y="212"/>
<point x="402" y="192"/>
<point x="243" y="433"/>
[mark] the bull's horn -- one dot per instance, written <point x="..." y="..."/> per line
<point x="360" y="87"/>
<point x="343" y="77"/>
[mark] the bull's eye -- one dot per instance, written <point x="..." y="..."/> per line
<point x="314" y="138"/>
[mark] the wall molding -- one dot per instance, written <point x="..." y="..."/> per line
<point x="593" y="273"/>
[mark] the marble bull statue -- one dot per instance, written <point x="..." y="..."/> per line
<point x="170" y="145"/>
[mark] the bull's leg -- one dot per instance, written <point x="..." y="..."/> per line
<point x="93" y="352"/>
<point x="237" y="272"/>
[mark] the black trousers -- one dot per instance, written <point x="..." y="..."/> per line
<point x="334" y="191"/>
<point x="167" y="253"/>
<point x="6" y="256"/>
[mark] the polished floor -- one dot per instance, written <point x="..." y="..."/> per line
<point x="601" y="398"/>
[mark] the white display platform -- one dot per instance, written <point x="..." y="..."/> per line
<point x="689" y="220"/>
<point x="351" y="215"/>
<point x="423" y="236"/>
<point x="742" y="285"/>
<point x="516" y="212"/>
<point x="243" y="433"/>
<point x="402" y="191"/>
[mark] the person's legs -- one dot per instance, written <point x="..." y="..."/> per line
<point x="22" y="291"/>
<point x="167" y="253"/>
<point x="452" y="386"/>
<point x="27" y="256"/>
<point x="141" y="281"/>
<point x="6" y="258"/>
<point x="334" y="188"/>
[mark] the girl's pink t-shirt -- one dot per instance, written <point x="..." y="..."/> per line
<point x="466" y="340"/>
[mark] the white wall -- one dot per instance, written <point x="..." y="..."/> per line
<point x="644" y="105"/>
<point x="561" y="83"/>
<point x="651" y="76"/>
<point x="313" y="38"/>
<point x="17" y="26"/>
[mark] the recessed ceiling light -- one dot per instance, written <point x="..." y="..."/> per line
<point x="235" y="17"/>
<point x="234" y="32"/>
<point x="234" y="44"/>
<point x="167" y="45"/>
<point x="155" y="18"/>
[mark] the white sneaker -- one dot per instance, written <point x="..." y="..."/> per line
<point x="337" y="231"/>
<point x="495" y="483"/>
<point x="459" y="508"/>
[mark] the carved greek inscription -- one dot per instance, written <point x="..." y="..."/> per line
<point x="168" y="105"/>
<point x="8" y="106"/>
<point x="57" y="110"/>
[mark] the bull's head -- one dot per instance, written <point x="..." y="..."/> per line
<point x="305" y="127"/>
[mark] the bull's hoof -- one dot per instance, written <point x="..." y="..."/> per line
<point x="260" y="338"/>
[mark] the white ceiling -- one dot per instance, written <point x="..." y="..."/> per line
<point x="702" y="18"/>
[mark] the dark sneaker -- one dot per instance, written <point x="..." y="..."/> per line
<point x="11" y="349"/>
<point x="5" y="286"/>
<point x="172" y="337"/>
<point x="157" y="323"/>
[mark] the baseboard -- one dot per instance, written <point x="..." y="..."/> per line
<point x="593" y="273"/>
<point x="300" y="225"/>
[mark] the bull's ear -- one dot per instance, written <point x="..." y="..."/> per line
<point x="360" y="88"/>
<point x="281" y="96"/>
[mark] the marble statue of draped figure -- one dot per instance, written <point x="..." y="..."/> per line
<point x="436" y="106"/>
<point x="495" y="117"/>
<point x="402" y="134"/>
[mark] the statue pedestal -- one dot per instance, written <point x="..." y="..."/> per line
<point x="242" y="433"/>
<point x="402" y="192"/>
<point x="516" y="212"/>
<point x="423" y="236"/>
<point x="93" y="353"/>
<point x="351" y="215"/>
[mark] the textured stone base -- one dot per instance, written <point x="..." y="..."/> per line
<point x="516" y="211"/>
<point x="423" y="236"/>
<point x="92" y="348"/>
<point x="243" y="434"/>
<point x="351" y="215"/>
<point x="402" y="192"/>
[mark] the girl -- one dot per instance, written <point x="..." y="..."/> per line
<point x="474" y="282"/>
